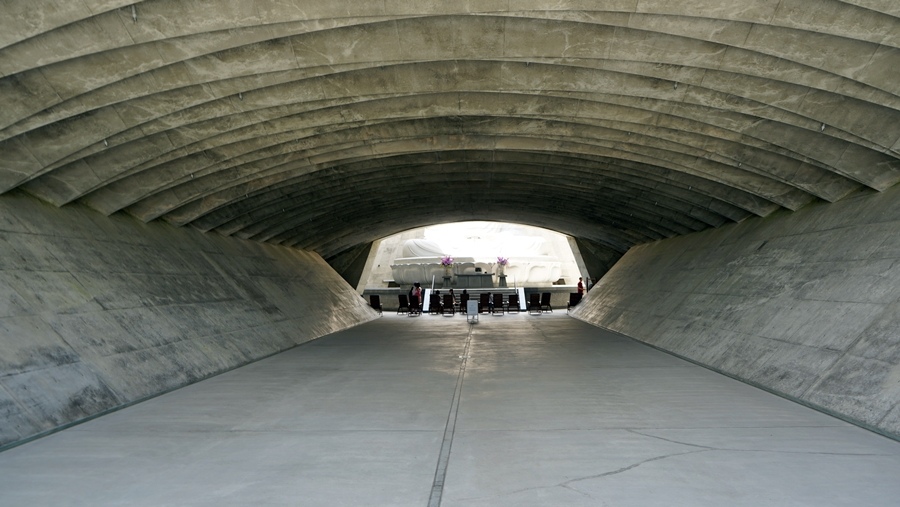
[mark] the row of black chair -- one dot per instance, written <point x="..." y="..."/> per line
<point x="537" y="303"/>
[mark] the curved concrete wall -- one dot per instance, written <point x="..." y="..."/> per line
<point x="97" y="312"/>
<point x="804" y="304"/>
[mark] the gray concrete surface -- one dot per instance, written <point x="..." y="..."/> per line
<point x="97" y="312"/>
<point x="806" y="304"/>
<point x="518" y="410"/>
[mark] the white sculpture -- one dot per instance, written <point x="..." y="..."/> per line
<point x="420" y="261"/>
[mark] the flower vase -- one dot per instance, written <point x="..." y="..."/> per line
<point x="448" y="275"/>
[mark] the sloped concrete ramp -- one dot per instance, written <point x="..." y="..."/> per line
<point x="515" y="410"/>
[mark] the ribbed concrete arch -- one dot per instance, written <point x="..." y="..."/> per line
<point x="679" y="200"/>
<point x="326" y="125"/>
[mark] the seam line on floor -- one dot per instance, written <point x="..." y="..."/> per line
<point x="440" y="474"/>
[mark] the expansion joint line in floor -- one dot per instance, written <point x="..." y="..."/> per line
<point x="437" y="488"/>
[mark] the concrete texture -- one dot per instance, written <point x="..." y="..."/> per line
<point x="315" y="124"/>
<point x="515" y="410"/>
<point x="631" y="125"/>
<point x="805" y="304"/>
<point x="98" y="312"/>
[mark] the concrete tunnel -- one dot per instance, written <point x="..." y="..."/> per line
<point x="188" y="187"/>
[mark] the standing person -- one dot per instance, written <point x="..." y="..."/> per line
<point x="415" y="297"/>
<point x="580" y="286"/>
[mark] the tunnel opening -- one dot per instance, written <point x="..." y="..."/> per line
<point x="474" y="255"/>
<point x="747" y="159"/>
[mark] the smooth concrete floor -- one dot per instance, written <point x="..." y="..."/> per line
<point x="515" y="410"/>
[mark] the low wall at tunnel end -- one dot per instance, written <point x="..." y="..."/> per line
<point x="804" y="304"/>
<point x="99" y="312"/>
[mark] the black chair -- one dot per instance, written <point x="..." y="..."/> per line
<point x="404" y="304"/>
<point x="497" y="308"/>
<point x="375" y="302"/>
<point x="434" y="304"/>
<point x="534" y="304"/>
<point x="484" y="303"/>
<point x="545" y="302"/>
<point x="448" y="305"/>
<point x="512" y="303"/>
<point x="574" y="299"/>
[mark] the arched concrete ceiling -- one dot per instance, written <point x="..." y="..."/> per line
<point x="326" y="124"/>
